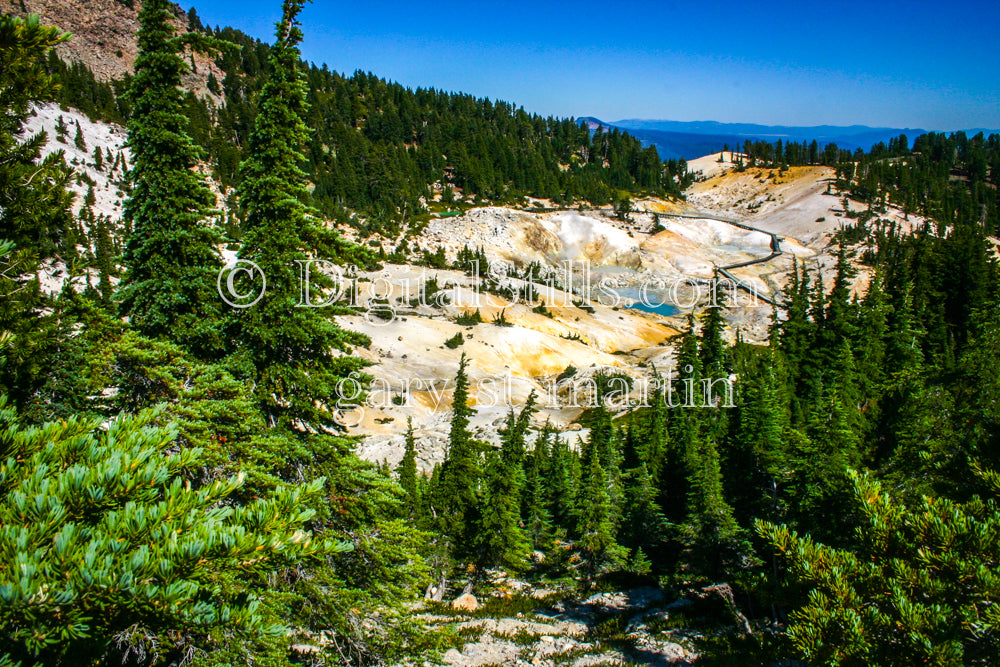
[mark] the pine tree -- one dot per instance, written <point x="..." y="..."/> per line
<point x="302" y="374"/>
<point x="642" y="526"/>
<point x="685" y="427"/>
<point x="78" y="140"/>
<point x="710" y="534"/>
<point x="194" y="23"/>
<point x="104" y="254"/>
<point x="606" y="442"/>
<point x="117" y="541"/>
<point x="35" y="219"/>
<point x="795" y="335"/>
<point x="31" y="215"/>
<point x="977" y="412"/>
<point x="599" y="550"/>
<point x="172" y="263"/>
<point x="756" y="465"/>
<point x="501" y="540"/>
<point x="713" y="346"/>
<point x="407" y="471"/>
<point x="904" y="353"/>
<point x="562" y="488"/>
<point x="873" y="331"/>
<point x="456" y="497"/>
<point x="712" y="538"/>
<point x="293" y="350"/>
<point x="839" y="322"/>
<point x="61" y="128"/>
<point x="535" y="512"/>
<point x="832" y="447"/>
<point x="654" y="450"/>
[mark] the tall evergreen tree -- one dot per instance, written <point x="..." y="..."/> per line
<point x="642" y="522"/>
<point x="795" y="334"/>
<point x="302" y="376"/>
<point x="873" y="331"/>
<point x="78" y="140"/>
<point x="407" y="471"/>
<point x="456" y="497"/>
<point x="713" y="346"/>
<point x="537" y="475"/>
<point x="605" y="441"/>
<point x="600" y="550"/>
<point x="839" y="310"/>
<point x="501" y="539"/>
<point x="710" y="534"/>
<point x="655" y="448"/>
<point x="171" y="257"/>
<point x="563" y="486"/>
<point x="35" y="222"/>
<point x="756" y="465"/>
<point x="105" y="256"/>
<point x="293" y="350"/>
<point x="712" y="538"/>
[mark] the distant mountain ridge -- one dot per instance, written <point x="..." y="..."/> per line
<point x="692" y="139"/>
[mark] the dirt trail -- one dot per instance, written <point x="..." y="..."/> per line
<point x="724" y="270"/>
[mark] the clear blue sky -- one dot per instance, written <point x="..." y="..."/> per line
<point x="934" y="65"/>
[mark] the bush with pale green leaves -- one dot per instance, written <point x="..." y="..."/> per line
<point x="106" y="545"/>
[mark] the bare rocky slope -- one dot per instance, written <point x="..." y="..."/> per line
<point x="104" y="36"/>
<point x="556" y="351"/>
<point x="624" y="259"/>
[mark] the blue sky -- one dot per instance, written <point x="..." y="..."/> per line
<point x="920" y="64"/>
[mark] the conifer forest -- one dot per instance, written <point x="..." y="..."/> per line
<point x="180" y="483"/>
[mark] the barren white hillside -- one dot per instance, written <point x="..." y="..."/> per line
<point x="799" y="205"/>
<point x="556" y="352"/>
<point x="533" y="352"/>
<point x="108" y="190"/>
<point x="410" y="356"/>
<point x="686" y="248"/>
<point x="415" y="369"/>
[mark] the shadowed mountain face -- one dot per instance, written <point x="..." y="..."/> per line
<point x="677" y="139"/>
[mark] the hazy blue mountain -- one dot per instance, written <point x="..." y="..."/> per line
<point x="691" y="139"/>
<point x="818" y="132"/>
<point x="673" y="145"/>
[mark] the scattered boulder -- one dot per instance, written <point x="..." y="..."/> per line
<point x="717" y="601"/>
<point x="305" y="649"/>
<point x="465" y="602"/>
<point x="620" y="600"/>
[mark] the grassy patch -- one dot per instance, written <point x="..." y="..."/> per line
<point x="611" y="629"/>
<point x="521" y="638"/>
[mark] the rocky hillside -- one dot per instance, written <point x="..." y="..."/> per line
<point x="104" y="36"/>
<point x="515" y="624"/>
<point x="555" y="350"/>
